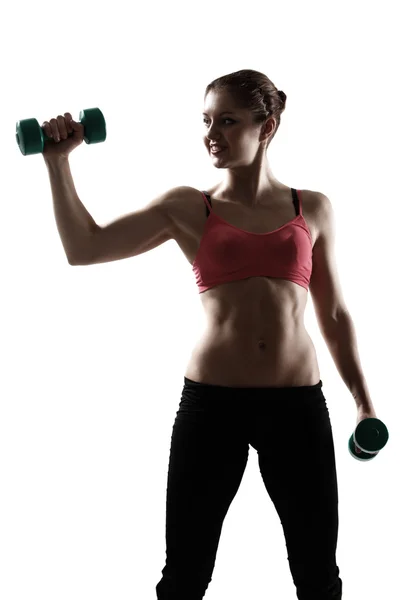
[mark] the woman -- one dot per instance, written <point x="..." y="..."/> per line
<point x="253" y="378"/>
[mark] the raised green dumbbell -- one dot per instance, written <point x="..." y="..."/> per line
<point x="31" y="137"/>
<point x="369" y="437"/>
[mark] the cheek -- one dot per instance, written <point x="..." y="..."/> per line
<point x="249" y="142"/>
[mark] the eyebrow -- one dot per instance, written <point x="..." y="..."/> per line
<point x="226" y="112"/>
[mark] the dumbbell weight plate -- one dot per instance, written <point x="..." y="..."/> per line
<point x="31" y="137"/>
<point x="369" y="437"/>
<point x="95" y="125"/>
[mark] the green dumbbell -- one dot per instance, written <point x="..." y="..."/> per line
<point x="31" y="137"/>
<point x="369" y="437"/>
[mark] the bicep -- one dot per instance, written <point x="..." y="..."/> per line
<point x="134" y="233"/>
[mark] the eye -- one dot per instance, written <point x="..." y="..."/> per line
<point x="207" y="121"/>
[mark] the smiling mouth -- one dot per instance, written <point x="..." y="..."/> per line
<point x="217" y="151"/>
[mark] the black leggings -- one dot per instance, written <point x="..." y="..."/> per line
<point x="291" y="430"/>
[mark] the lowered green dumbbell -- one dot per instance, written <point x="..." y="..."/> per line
<point x="31" y="137"/>
<point x="369" y="437"/>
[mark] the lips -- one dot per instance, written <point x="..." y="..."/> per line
<point x="217" y="148"/>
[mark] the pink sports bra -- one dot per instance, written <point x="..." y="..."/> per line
<point x="227" y="253"/>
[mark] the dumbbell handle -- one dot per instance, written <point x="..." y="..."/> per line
<point x="46" y="138"/>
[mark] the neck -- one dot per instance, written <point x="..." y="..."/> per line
<point x="250" y="191"/>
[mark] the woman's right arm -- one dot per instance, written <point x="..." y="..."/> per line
<point x="136" y="232"/>
<point x="86" y="243"/>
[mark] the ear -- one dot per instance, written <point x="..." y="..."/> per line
<point x="268" y="129"/>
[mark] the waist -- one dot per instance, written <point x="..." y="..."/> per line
<point x="255" y="339"/>
<point x="276" y="358"/>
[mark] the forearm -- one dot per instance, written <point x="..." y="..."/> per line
<point x="75" y="225"/>
<point x="342" y="344"/>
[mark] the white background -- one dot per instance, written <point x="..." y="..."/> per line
<point x="93" y="358"/>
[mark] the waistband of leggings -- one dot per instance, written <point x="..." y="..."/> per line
<point x="189" y="383"/>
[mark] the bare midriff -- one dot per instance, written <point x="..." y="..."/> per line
<point x="255" y="336"/>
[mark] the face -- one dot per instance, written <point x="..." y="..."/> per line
<point x="233" y="129"/>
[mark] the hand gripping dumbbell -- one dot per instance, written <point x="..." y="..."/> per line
<point x="369" y="437"/>
<point x="31" y="137"/>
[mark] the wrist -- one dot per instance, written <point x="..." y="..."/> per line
<point x="367" y="410"/>
<point x="56" y="160"/>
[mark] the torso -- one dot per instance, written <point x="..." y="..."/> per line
<point x="255" y="334"/>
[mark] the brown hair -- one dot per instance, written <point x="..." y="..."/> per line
<point x="255" y="92"/>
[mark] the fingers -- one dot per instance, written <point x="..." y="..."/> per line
<point x="59" y="128"/>
<point x="68" y="122"/>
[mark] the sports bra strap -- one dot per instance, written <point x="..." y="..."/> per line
<point x="296" y="195"/>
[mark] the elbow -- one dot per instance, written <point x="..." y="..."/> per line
<point x="79" y="261"/>
<point x="74" y="263"/>
<point x="84" y="255"/>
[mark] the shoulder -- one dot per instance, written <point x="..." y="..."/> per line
<point x="324" y="217"/>
<point x="179" y="205"/>
<point x="179" y="194"/>
<point x="320" y="203"/>
<point x="316" y="201"/>
<point x="176" y="199"/>
<point x="321" y="209"/>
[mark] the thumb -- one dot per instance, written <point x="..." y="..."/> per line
<point x="76" y="125"/>
<point x="77" y="129"/>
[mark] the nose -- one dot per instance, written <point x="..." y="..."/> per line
<point x="213" y="136"/>
<point x="212" y="133"/>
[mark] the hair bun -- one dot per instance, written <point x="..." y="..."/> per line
<point x="282" y="96"/>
